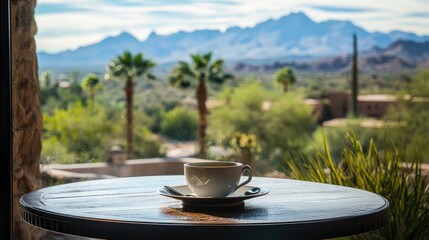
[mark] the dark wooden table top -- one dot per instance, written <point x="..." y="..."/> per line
<point x="131" y="208"/>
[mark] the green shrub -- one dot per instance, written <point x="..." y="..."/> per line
<point x="335" y="136"/>
<point x="281" y="123"/>
<point x="146" y="144"/>
<point x="289" y="127"/>
<point x="242" y="112"/>
<point x="180" y="124"/>
<point x="380" y="171"/>
<point x="413" y="119"/>
<point x="54" y="152"/>
<point x="82" y="132"/>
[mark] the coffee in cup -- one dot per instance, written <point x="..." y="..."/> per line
<point x="215" y="179"/>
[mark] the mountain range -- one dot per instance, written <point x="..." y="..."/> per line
<point x="400" y="55"/>
<point x="292" y="37"/>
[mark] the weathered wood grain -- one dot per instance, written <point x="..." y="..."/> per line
<point x="130" y="208"/>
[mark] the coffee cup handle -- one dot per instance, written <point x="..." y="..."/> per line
<point x="249" y="169"/>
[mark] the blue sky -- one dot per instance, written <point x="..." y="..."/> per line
<point x="65" y="24"/>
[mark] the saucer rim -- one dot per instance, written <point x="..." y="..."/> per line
<point x="230" y="197"/>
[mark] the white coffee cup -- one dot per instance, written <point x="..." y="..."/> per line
<point x="215" y="179"/>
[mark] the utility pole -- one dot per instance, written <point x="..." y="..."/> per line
<point x="355" y="77"/>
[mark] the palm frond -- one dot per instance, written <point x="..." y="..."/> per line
<point x="129" y="66"/>
<point x="202" y="69"/>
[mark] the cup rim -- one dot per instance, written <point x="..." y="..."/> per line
<point x="218" y="164"/>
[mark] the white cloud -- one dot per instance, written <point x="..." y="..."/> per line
<point x="55" y="44"/>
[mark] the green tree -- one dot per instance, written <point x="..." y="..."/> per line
<point x="285" y="77"/>
<point x="148" y="145"/>
<point x="48" y="88"/>
<point x="282" y="124"/>
<point x="130" y="66"/>
<point x="46" y="80"/>
<point x="79" y="131"/>
<point x="90" y="84"/>
<point x="243" y="112"/>
<point x="180" y="124"/>
<point x="413" y="119"/>
<point x="72" y="77"/>
<point x="53" y="95"/>
<point x="201" y="70"/>
<point x="289" y="128"/>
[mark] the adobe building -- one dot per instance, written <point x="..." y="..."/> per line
<point x="376" y="105"/>
<point x="368" y="105"/>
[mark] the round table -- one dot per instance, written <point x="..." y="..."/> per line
<point x="131" y="208"/>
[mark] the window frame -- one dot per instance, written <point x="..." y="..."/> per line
<point x="6" y="163"/>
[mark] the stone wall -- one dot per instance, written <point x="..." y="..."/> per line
<point x="26" y="115"/>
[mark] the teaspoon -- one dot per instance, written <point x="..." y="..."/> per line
<point x="174" y="191"/>
<point x="252" y="191"/>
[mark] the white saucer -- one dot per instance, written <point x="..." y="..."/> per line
<point x="235" y="199"/>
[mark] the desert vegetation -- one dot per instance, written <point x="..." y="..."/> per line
<point x="83" y="119"/>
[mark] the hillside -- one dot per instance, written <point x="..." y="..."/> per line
<point x="397" y="56"/>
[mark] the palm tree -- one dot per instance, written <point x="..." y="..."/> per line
<point x="285" y="77"/>
<point x="90" y="84"/>
<point x="201" y="70"/>
<point x="130" y="66"/>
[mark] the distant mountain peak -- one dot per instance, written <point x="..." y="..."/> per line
<point x="294" y="36"/>
<point x="123" y="36"/>
<point x="296" y="17"/>
<point x="232" y="29"/>
<point x="152" y="35"/>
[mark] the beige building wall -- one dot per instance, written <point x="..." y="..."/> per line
<point x="368" y="105"/>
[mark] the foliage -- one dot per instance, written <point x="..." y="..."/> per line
<point x="290" y="123"/>
<point x="335" y="136"/>
<point x="413" y="119"/>
<point x="90" y="84"/>
<point x="285" y="77"/>
<point x="130" y="66"/>
<point x="147" y="145"/>
<point x="82" y="132"/>
<point x="201" y="70"/>
<point x="282" y="126"/>
<point x="247" y="100"/>
<point x="141" y="119"/>
<point x="53" y="95"/>
<point x="46" y="80"/>
<point x="380" y="171"/>
<point x="55" y="152"/>
<point x="246" y="146"/>
<point x="289" y="128"/>
<point x="180" y="124"/>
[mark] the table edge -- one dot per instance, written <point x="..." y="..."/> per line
<point x="86" y="226"/>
